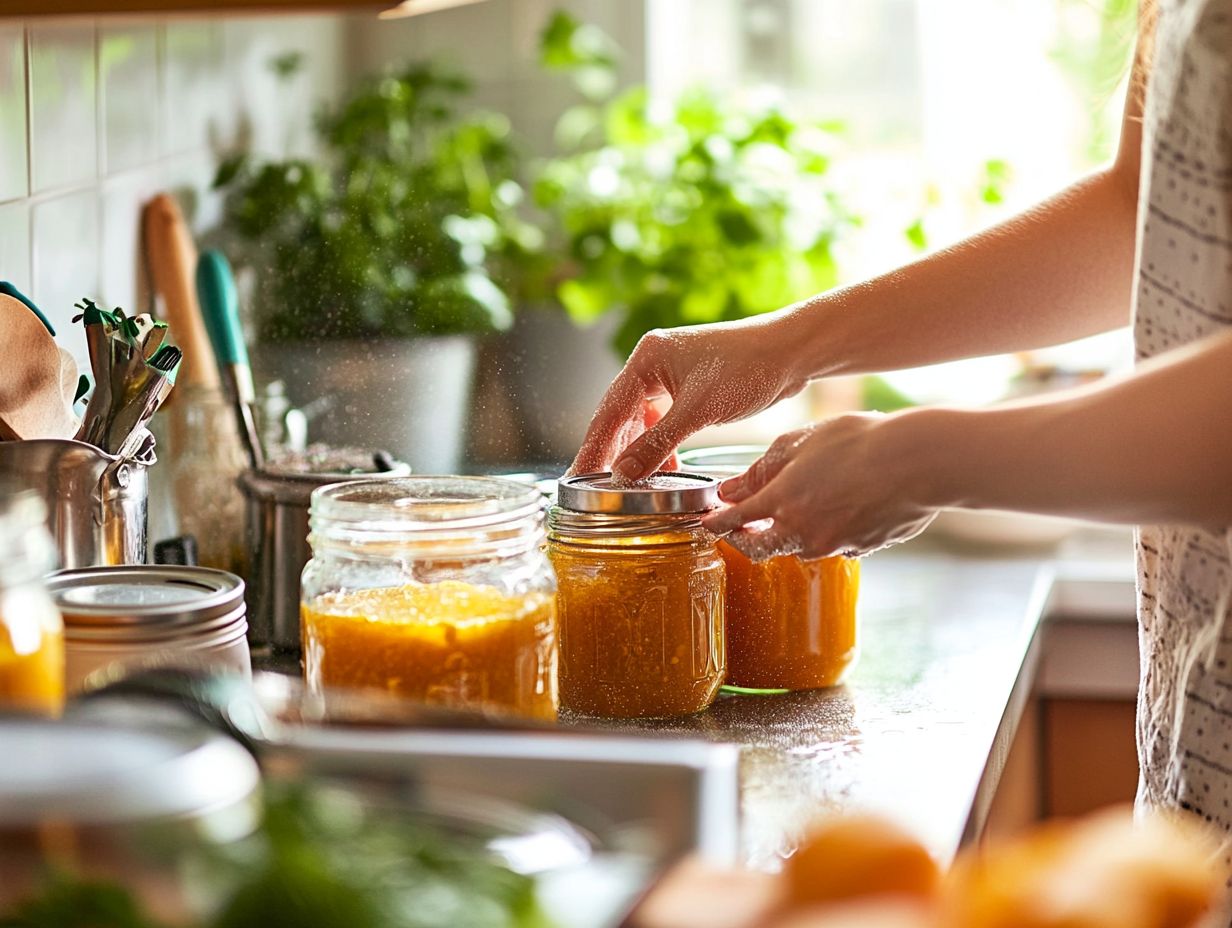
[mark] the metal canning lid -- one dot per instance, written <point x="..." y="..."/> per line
<point x="144" y="601"/>
<point x="660" y="494"/>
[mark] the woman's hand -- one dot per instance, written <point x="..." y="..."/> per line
<point x="849" y="485"/>
<point x="711" y="374"/>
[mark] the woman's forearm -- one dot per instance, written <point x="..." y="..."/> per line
<point x="1061" y="271"/>
<point x="1155" y="446"/>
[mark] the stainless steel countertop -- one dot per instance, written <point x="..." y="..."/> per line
<point x="921" y="727"/>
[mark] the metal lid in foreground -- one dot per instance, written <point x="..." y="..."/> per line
<point x="659" y="494"/>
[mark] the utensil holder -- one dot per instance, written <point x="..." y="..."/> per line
<point x="276" y="522"/>
<point x="97" y="504"/>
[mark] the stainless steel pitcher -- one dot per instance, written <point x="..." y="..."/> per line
<point x="96" y="504"/>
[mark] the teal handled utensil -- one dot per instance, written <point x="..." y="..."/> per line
<point x="8" y="289"/>
<point x="220" y="307"/>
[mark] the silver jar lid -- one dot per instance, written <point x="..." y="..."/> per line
<point x="144" y="601"/>
<point x="659" y="494"/>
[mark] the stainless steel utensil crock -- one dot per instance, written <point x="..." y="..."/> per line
<point x="276" y="505"/>
<point x="96" y="503"/>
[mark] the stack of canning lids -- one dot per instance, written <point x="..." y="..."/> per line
<point x="150" y="616"/>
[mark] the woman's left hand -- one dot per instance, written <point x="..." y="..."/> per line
<point x="848" y="485"/>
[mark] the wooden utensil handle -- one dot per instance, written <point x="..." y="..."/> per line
<point x="172" y="258"/>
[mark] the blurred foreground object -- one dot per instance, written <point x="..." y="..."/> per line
<point x="1104" y="871"/>
<point x="851" y="858"/>
<point x="31" y="631"/>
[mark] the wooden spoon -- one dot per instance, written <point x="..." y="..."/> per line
<point x="172" y="258"/>
<point x="32" y="404"/>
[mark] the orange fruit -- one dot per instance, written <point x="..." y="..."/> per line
<point x="858" y="857"/>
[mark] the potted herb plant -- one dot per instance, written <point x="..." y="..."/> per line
<point x="378" y="264"/>
<point x="702" y="208"/>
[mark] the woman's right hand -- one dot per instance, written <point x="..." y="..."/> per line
<point x="711" y="374"/>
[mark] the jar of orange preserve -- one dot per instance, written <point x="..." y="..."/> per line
<point x="640" y="598"/>
<point x="31" y="629"/>
<point x="791" y="624"/>
<point x="432" y="588"/>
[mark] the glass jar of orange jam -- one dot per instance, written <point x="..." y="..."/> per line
<point x="432" y="588"/>
<point x="640" y="596"/>
<point x="791" y="624"/>
<point x="31" y="629"/>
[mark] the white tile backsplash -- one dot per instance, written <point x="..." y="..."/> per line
<point x="120" y="110"/>
<point x="129" y="83"/>
<point x="15" y="245"/>
<point x="63" y="106"/>
<point x="13" y="164"/>
<point x="66" y="266"/>
<point x="195" y="90"/>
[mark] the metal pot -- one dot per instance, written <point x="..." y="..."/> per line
<point x="96" y="503"/>
<point x="276" y="506"/>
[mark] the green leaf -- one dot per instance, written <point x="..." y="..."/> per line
<point x="585" y="300"/>
<point x="916" y="235"/>
<point x="738" y="227"/>
<point x="626" y="120"/>
<point x="877" y="394"/>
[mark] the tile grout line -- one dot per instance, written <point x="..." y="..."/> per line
<point x="27" y="47"/>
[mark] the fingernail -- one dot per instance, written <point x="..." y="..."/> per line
<point x="629" y="469"/>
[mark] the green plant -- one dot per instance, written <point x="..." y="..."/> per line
<point x="697" y="209"/>
<point x="322" y="858"/>
<point x="407" y="225"/>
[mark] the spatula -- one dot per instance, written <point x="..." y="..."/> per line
<point x="32" y="402"/>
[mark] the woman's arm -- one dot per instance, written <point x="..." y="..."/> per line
<point x="1054" y="273"/>
<point x="1151" y="447"/>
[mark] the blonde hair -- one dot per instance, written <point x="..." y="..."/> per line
<point x="1148" y="14"/>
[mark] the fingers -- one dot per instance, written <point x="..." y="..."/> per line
<point x="762" y="545"/>
<point x="729" y="518"/>
<point x="617" y="411"/>
<point x="648" y="452"/>
<point x="761" y="471"/>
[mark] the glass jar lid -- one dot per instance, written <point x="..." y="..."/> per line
<point x="664" y="493"/>
<point x="720" y="460"/>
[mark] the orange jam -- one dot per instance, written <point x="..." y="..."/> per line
<point x="641" y="623"/>
<point x="31" y="656"/>
<point x="448" y="643"/>
<point x="791" y="624"/>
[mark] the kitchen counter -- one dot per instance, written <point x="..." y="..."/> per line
<point x="922" y="727"/>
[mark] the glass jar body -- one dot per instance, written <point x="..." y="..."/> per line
<point x="460" y="623"/>
<point x="641" y="620"/>
<point x="791" y="624"/>
<point x="31" y="650"/>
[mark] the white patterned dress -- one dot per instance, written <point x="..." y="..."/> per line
<point x="1184" y="292"/>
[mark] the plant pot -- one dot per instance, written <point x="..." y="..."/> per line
<point x="408" y="396"/>
<point x="558" y="372"/>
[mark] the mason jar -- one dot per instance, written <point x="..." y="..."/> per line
<point x="791" y="624"/>
<point x="640" y="596"/>
<point x="436" y="589"/>
<point x="31" y="629"/>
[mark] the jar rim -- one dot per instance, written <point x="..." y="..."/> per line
<point x="425" y="503"/>
<point x="599" y="525"/>
<point x="720" y="460"/>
